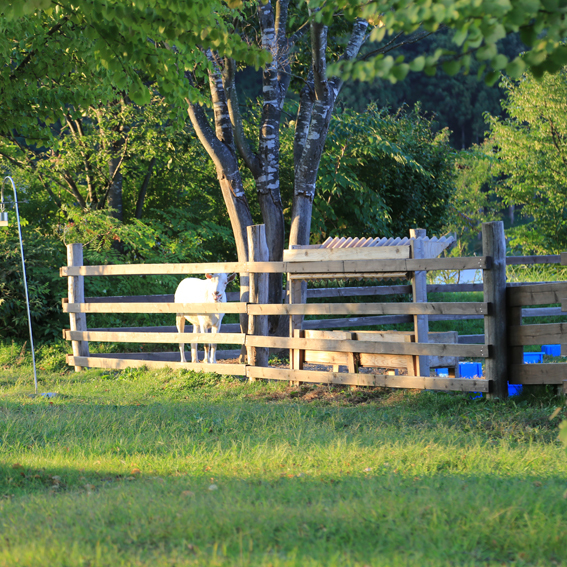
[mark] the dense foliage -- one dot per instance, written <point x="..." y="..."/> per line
<point x="479" y="26"/>
<point x="531" y="147"/>
<point x="383" y="174"/>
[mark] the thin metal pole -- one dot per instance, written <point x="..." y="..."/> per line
<point x="25" y="279"/>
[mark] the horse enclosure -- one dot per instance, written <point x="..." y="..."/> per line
<point x="321" y="351"/>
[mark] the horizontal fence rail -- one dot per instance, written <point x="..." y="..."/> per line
<point x="354" y="266"/>
<point x="375" y="380"/>
<point x="119" y="337"/>
<point x="189" y="308"/>
<point x="338" y="347"/>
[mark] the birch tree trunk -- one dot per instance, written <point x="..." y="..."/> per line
<point x="228" y="139"/>
<point x="312" y="126"/>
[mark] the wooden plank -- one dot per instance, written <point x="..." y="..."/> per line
<point x="346" y="276"/>
<point x="358" y="291"/>
<point x="378" y="320"/>
<point x="564" y="305"/>
<point x="536" y="294"/>
<point x="538" y="373"/>
<point x="165" y="356"/>
<point x="479" y="351"/>
<point x="340" y="254"/>
<point x="121" y="364"/>
<point x="415" y="265"/>
<point x="564" y="258"/>
<point x="494" y="279"/>
<point x="564" y="350"/>
<point x="118" y="337"/>
<point x="553" y="333"/>
<point x="322" y="357"/>
<point x="541" y="312"/>
<point x="367" y="379"/>
<point x="197" y="308"/>
<point x="387" y="361"/>
<point x="167" y="298"/>
<point x="475" y="308"/>
<point x="531" y="260"/>
<point x="155" y="269"/>
<point x="338" y="267"/>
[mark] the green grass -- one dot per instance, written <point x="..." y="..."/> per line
<point x="164" y="468"/>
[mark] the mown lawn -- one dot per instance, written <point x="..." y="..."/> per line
<point x="175" y="468"/>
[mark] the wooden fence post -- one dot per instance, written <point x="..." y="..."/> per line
<point x="495" y="326"/>
<point x="243" y="319"/>
<point x="419" y="292"/>
<point x="258" y="324"/>
<point x="76" y="294"/>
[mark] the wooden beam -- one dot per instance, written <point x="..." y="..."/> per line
<point x="338" y="267"/>
<point x="494" y="279"/>
<point x="447" y="308"/>
<point x="367" y="379"/>
<point x="358" y="291"/>
<point x="121" y="364"/>
<point x="340" y="254"/>
<point x="538" y="373"/>
<point x="520" y="335"/>
<point x="477" y="351"/>
<point x="373" y="291"/>
<point x="564" y="258"/>
<point x="345" y="276"/>
<point x="197" y="308"/>
<point x="536" y="294"/>
<point x="118" y="337"/>
<point x="531" y="260"/>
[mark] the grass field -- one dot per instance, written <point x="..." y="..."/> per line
<point x="160" y="468"/>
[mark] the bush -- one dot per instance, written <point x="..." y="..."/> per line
<point x="43" y="257"/>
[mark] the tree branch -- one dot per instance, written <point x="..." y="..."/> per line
<point x="144" y="189"/>
<point x="223" y="124"/>
<point x="30" y="55"/>
<point x="241" y="142"/>
<point x="318" y="58"/>
<point x="78" y="134"/>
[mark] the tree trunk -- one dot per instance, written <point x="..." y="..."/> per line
<point x="312" y="126"/>
<point x="115" y="189"/>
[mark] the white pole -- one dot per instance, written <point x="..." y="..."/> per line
<point x="25" y="279"/>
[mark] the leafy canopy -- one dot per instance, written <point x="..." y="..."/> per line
<point x="478" y="25"/>
<point x="79" y="53"/>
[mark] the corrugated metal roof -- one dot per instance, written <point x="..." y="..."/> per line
<point x="338" y="242"/>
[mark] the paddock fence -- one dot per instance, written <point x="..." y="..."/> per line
<point x="370" y="358"/>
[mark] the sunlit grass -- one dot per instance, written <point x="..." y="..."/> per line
<point x="177" y="468"/>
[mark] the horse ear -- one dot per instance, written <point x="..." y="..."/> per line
<point x="209" y="276"/>
<point x="231" y="278"/>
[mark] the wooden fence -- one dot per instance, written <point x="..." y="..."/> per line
<point x="494" y="347"/>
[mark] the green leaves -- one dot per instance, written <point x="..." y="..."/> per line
<point x="531" y="149"/>
<point x="479" y="26"/>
